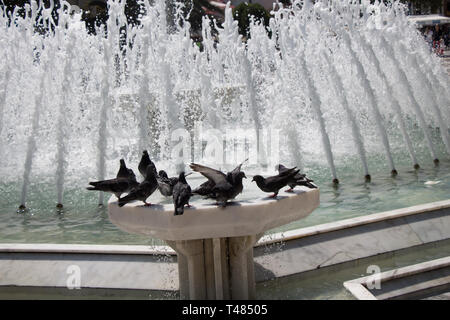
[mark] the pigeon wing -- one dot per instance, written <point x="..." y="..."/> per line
<point x="232" y="174"/>
<point x="211" y="174"/>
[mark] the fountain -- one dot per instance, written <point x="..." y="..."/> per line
<point x="331" y="83"/>
<point x="214" y="245"/>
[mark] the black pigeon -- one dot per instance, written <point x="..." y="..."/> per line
<point x="220" y="186"/>
<point x="144" y="190"/>
<point x="166" y="184"/>
<point x="181" y="194"/>
<point x="124" y="182"/>
<point x="144" y="163"/>
<point x="298" y="180"/>
<point x="124" y="172"/>
<point x="275" y="183"/>
<point x="235" y="178"/>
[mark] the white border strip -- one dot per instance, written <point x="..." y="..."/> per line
<point x="84" y="248"/>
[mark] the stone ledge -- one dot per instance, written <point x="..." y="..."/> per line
<point x="85" y="248"/>
<point x="352" y="222"/>
<point x="359" y="287"/>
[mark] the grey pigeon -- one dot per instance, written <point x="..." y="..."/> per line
<point x="144" y="190"/>
<point x="144" y="163"/>
<point x="219" y="186"/>
<point x="298" y="180"/>
<point x="124" y="182"/>
<point x="275" y="183"/>
<point x="181" y="194"/>
<point x="166" y="184"/>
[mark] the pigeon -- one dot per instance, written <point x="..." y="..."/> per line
<point x="124" y="182"/>
<point x="166" y="184"/>
<point x="235" y="178"/>
<point x="124" y="172"/>
<point x="275" y="183"/>
<point x="144" y="163"/>
<point x="205" y="188"/>
<point x="181" y="194"/>
<point x="298" y="180"/>
<point x="144" y="190"/>
<point x="219" y="186"/>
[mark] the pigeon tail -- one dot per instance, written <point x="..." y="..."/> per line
<point x="124" y="200"/>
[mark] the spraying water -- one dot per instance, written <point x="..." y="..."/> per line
<point x="357" y="138"/>
<point x="275" y="82"/>
<point x="411" y="94"/>
<point x="394" y="102"/>
<point x="432" y="101"/>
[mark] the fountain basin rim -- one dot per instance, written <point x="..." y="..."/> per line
<point x="207" y="221"/>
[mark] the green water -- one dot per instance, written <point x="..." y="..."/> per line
<point x="83" y="222"/>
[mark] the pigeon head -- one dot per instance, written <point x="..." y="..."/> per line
<point x="123" y="170"/>
<point x="145" y="153"/>
<point x="131" y="174"/>
<point x="258" y="179"/>
<point x="182" y="177"/>
<point x="241" y="175"/>
<point x="162" y="174"/>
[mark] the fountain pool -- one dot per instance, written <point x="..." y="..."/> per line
<point x="81" y="221"/>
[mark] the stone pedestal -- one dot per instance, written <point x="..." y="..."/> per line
<point x="216" y="269"/>
<point x="214" y="245"/>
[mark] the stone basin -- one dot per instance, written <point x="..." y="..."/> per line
<point x="204" y="221"/>
<point x="214" y="245"/>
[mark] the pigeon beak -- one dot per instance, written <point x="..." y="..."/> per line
<point x="188" y="174"/>
<point x="245" y="176"/>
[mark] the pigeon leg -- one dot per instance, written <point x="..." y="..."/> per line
<point x="290" y="190"/>
<point x="147" y="204"/>
<point x="274" y="195"/>
<point x="188" y="205"/>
